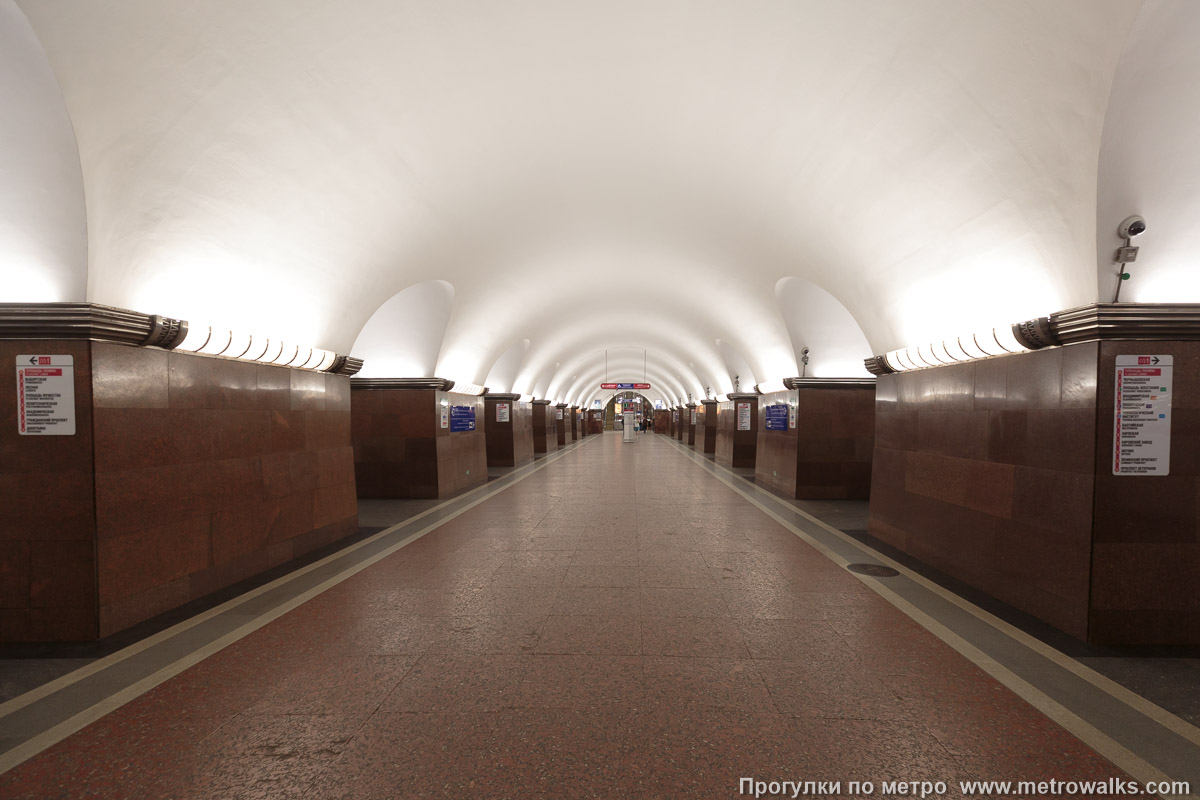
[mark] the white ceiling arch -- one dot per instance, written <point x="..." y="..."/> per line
<point x="623" y="365"/>
<point x="43" y="227"/>
<point x="403" y="337"/>
<point x="590" y="167"/>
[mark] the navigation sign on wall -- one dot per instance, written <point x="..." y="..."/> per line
<point x="462" y="418"/>
<point x="624" y="386"/>
<point x="445" y="416"/>
<point x="1142" y="416"/>
<point x="46" y="395"/>
<point x="776" y="417"/>
<point x="558" y="413"/>
<point x="502" y="412"/>
<point x="693" y="416"/>
<point x="743" y="416"/>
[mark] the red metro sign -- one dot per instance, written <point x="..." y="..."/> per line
<point x="624" y="386"/>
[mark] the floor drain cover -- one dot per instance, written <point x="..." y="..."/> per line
<point x="874" y="570"/>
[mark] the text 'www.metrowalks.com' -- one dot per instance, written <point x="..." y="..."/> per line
<point x="1110" y="787"/>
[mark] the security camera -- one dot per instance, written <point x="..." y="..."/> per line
<point x="1131" y="227"/>
<point x="804" y="351"/>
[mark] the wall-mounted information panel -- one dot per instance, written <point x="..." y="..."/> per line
<point x="1142" y="415"/>
<point x="46" y="395"/>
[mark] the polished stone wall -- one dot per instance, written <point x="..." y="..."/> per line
<point x="985" y="470"/>
<point x="687" y="425"/>
<point x="48" y="514"/>
<point x="562" y="422"/>
<point x="1146" y="529"/>
<point x="204" y="471"/>
<point x="706" y="427"/>
<point x="545" y="428"/>
<point x="662" y="420"/>
<point x="509" y="444"/>
<point x="401" y="449"/>
<point x="827" y="456"/>
<point x="736" y="448"/>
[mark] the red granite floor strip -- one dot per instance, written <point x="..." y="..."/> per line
<point x="620" y="624"/>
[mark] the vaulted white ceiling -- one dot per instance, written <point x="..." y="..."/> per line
<point x="698" y="188"/>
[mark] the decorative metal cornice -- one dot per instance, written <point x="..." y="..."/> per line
<point x="561" y="405"/>
<point x="346" y="365"/>
<point x="743" y="396"/>
<point x="90" y="321"/>
<point x="1149" y="321"/>
<point x="1035" y="333"/>
<point x="510" y="396"/>
<point x="709" y="401"/>
<point x="828" y="383"/>
<point x="402" y="384"/>
<point x="100" y="323"/>
<point x="541" y="402"/>
<point x="877" y="365"/>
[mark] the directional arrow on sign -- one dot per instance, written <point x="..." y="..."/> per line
<point x="1155" y="360"/>
<point x="33" y="360"/>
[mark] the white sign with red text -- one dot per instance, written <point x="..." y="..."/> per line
<point x="1142" y="417"/>
<point x="46" y="395"/>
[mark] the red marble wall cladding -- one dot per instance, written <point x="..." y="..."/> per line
<point x="986" y="471"/>
<point x="509" y="444"/>
<point x="47" y="515"/>
<point x="562" y="419"/>
<point x="736" y="448"/>
<point x="827" y="456"/>
<point x="1146" y="533"/>
<point x="209" y="471"/>
<point x="595" y="420"/>
<point x="836" y="432"/>
<point x="545" y="428"/>
<point x="687" y="424"/>
<point x="186" y="474"/>
<point x="706" y="428"/>
<point x="402" y="450"/>
<point x="662" y="420"/>
<point x="775" y="451"/>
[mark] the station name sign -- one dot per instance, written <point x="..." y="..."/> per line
<point x="624" y="386"/>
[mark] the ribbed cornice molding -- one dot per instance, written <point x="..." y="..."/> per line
<point x="90" y="321"/>
<point x="412" y="384"/>
<point x="828" y="383"/>
<point x="743" y="396"/>
<point x="503" y="396"/>
<point x="1150" y="321"/>
<point x="100" y="323"/>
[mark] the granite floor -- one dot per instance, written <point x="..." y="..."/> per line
<point x="619" y="624"/>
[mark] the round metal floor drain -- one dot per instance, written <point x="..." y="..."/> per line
<point x="874" y="570"/>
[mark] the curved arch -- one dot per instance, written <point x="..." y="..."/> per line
<point x="624" y="366"/>
<point x="738" y="369"/>
<point x="503" y="374"/>
<point x="403" y="338"/>
<point x="1149" y="163"/>
<point x="817" y="321"/>
<point x="43" y="222"/>
<point x="949" y="183"/>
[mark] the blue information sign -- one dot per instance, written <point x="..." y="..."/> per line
<point x="776" y="417"/>
<point x="462" y="418"/>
